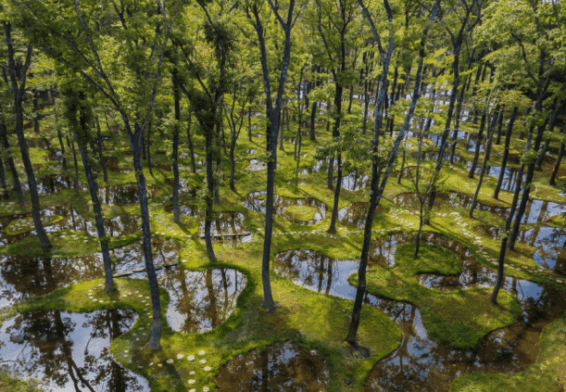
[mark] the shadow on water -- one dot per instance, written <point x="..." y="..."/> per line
<point x="255" y="201"/>
<point x="282" y="367"/>
<point x="69" y="351"/>
<point x="199" y="300"/>
<point x="420" y="364"/>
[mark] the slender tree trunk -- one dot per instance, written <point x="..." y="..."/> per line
<point x="505" y="153"/>
<point x="62" y="144"/>
<point x="148" y="148"/>
<point x="457" y="119"/>
<point x="478" y="146"/>
<point x="209" y="196"/>
<point x="336" y="135"/>
<point x="7" y="155"/>
<point x="190" y="142"/>
<point x="500" y="125"/>
<point x="136" y="140"/>
<point x="81" y="136"/>
<point x="376" y="191"/>
<point x="76" y="163"/>
<point x="100" y="148"/>
<point x="490" y="131"/>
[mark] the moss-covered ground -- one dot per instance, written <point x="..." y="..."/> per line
<point x="459" y="318"/>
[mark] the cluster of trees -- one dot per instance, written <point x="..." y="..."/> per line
<point x="173" y="62"/>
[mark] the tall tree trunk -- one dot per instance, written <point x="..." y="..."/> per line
<point x="18" y="75"/>
<point x="490" y="131"/>
<point x="500" y="125"/>
<point x="76" y="163"/>
<point x="100" y="148"/>
<point x="505" y="153"/>
<point x="62" y="144"/>
<point x="190" y="142"/>
<point x="478" y="146"/>
<point x="82" y="137"/>
<point x="457" y="119"/>
<point x="136" y="141"/>
<point x="336" y="135"/>
<point x="209" y="197"/>
<point x="7" y="156"/>
<point x="377" y="189"/>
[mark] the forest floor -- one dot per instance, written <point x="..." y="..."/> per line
<point x="314" y="321"/>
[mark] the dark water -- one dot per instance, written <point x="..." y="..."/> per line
<point x="255" y="201"/>
<point x="185" y="190"/>
<point x="123" y="194"/>
<point x="355" y="214"/>
<point x="199" y="300"/>
<point x="227" y="226"/>
<point x="69" y="351"/>
<point x="282" y="367"/>
<point x="421" y="364"/>
<point x="549" y="245"/>
<point x="53" y="184"/>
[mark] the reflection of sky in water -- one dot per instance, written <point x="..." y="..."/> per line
<point x="421" y="364"/>
<point x="199" y="300"/>
<point x="69" y="352"/>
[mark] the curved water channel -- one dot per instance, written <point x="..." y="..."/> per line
<point x="420" y="364"/>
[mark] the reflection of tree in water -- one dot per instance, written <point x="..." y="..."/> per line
<point x="281" y="367"/>
<point x="306" y="268"/>
<point x="201" y="300"/>
<point x="69" y="351"/>
<point x="24" y="277"/>
<point x="420" y="364"/>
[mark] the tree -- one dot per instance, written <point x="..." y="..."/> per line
<point x="18" y="72"/>
<point x="273" y="110"/>
<point x="119" y="52"/>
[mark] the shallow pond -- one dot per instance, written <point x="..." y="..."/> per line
<point x="549" y="244"/>
<point x="355" y="214"/>
<point x="69" y="351"/>
<point x="282" y="367"/>
<point x="22" y="277"/>
<point x="255" y="201"/>
<point x="199" y="300"/>
<point x="123" y="194"/>
<point x="227" y="226"/>
<point x="421" y="364"/>
<point x="536" y="211"/>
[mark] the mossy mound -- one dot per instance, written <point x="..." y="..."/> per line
<point x="24" y="225"/>
<point x="8" y="383"/>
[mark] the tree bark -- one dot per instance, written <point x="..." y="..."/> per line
<point x="505" y="153"/>
<point x="18" y="76"/>
<point x="100" y="148"/>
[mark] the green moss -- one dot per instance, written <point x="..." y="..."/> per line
<point x="548" y="373"/>
<point x="23" y="225"/>
<point x="303" y="213"/>
<point x="459" y="318"/>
